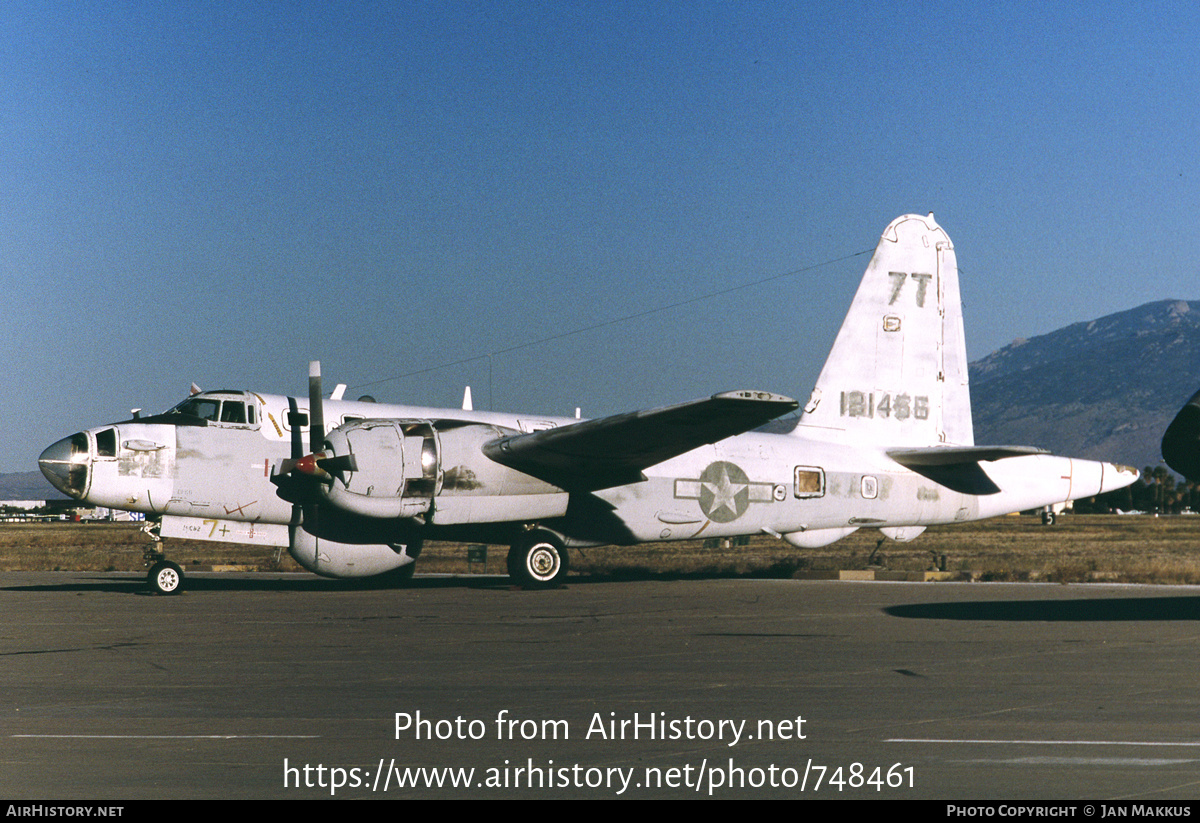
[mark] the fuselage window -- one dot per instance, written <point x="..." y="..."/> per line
<point x="233" y="412"/>
<point x="810" y="481"/>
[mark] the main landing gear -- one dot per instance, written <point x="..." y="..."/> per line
<point x="538" y="560"/>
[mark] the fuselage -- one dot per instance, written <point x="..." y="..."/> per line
<point x="211" y="460"/>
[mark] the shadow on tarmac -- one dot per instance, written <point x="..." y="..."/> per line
<point x="136" y="583"/>
<point x="221" y="582"/>
<point x="1100" y="609"/>
<point x="1091" y="610"/>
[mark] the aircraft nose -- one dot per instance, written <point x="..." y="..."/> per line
<point x="65" y="465"/>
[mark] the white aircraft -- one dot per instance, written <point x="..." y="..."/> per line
<point x="885" y="441"/>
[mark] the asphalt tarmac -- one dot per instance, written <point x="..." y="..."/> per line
<point x="288" y="686"/>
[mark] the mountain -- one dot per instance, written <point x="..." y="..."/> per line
<point x="27" y="486"/>
<point x="1103" y="389"/>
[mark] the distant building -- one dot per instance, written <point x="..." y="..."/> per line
<point x="28" y="510"/>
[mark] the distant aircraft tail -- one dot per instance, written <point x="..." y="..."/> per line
<point x="897" y="373"/>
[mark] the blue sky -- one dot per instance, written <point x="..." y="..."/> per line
<point x="220" y="192"/>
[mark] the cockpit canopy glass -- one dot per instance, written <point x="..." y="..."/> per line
<point x="235" y="410"/>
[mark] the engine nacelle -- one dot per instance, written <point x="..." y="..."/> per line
<point x="434" y="469"/>
<point x="333" y="543"/>
<point x="392" y="468"/>
<point x="330" y="558"/>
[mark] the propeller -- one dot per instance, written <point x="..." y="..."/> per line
<point x="317" y="463"/>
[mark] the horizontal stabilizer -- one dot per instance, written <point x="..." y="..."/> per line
<point x="613" y="451"/>
<point x="957" y="467"/>
<point x="950" y="455"/>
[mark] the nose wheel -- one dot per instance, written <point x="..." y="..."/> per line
<point x="165" y="577"/>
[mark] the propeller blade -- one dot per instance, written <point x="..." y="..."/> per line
<point x="338" y="466"/>
<point x="316" y="408"/>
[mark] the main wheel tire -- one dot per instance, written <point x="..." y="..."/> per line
<point x="539" y="561"/>
<point x="165" y="577"/>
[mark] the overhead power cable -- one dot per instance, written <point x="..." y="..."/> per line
<point x="614" y="321"/>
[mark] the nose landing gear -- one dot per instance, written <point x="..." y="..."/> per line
<point x="164" y="576"/>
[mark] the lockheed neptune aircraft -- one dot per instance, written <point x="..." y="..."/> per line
<point x="885" y="441"/>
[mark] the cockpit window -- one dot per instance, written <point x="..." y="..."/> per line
<point x="230" y="410"/>
<point x="200" y="407"/>
<point x="106" y="443"/>
<point x="77" y="474"/>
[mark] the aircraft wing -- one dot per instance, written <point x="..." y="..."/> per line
<point x="613" y="451"/>
<point x="957" y="467"/>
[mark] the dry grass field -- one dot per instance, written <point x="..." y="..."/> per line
<point x="1134" y="548"/>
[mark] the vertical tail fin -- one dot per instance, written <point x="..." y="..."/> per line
<point x="897" y="373"/>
